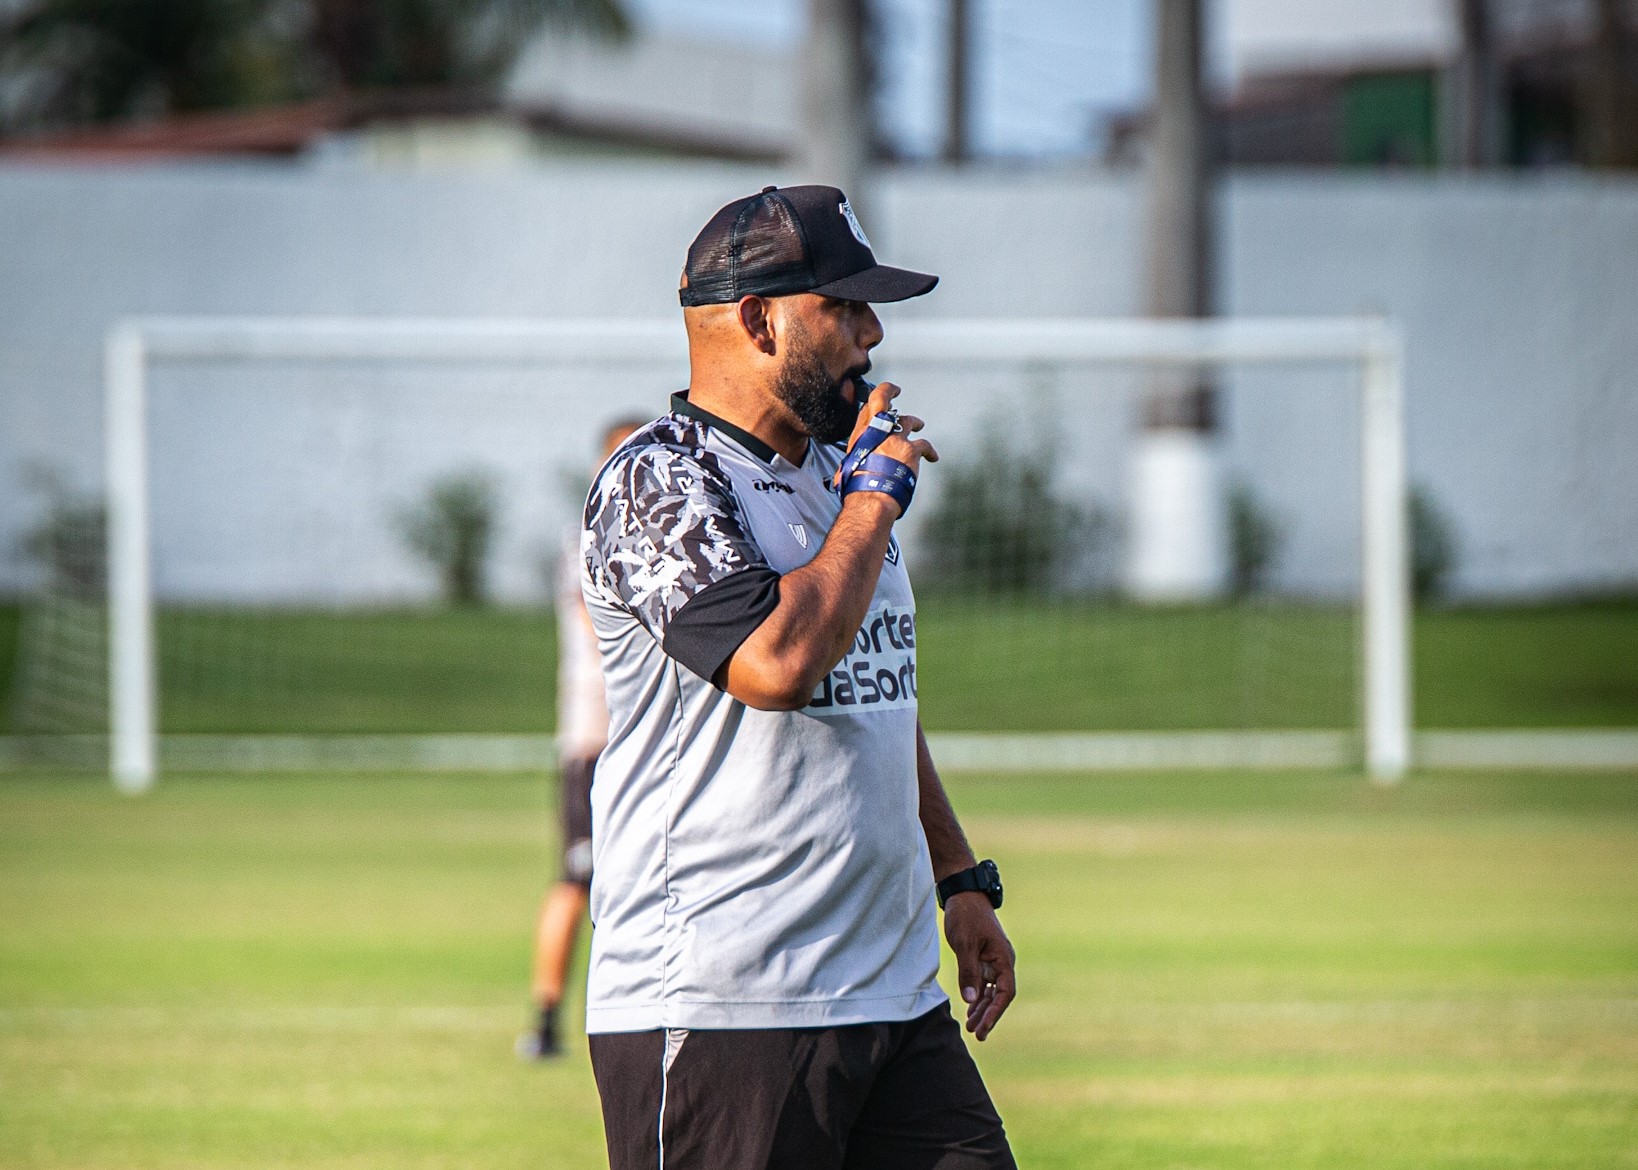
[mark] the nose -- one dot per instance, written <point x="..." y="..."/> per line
<point x="870" y="331"/>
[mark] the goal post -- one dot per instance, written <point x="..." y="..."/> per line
<point x="132" y="684"/>
<point x="1371" y="345"/>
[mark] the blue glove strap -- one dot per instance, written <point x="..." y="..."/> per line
<point x="884" y="424"/>
<point x="881" y="473"/>
<point x="887" y="467"/>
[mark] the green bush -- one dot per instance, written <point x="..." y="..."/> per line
<point x="1256" y="538"/>
<point x="69" y="542"/>
<point x="1433" y="546"/>
<point x="452" y="530"/>
<point x="1000" y="525"/>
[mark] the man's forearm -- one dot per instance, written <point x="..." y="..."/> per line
<point x="985" y="960"/>
<point x="946" y="843"/>
<point x="821" y="607"/>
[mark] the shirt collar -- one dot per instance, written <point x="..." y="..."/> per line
<point x="681" y="405"/>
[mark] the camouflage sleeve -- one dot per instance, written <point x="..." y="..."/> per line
<point x="661" y="526"/>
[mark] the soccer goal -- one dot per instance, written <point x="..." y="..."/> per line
<point x="286" y="501"/>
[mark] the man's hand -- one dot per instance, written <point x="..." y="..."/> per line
<point x="984" y="960"/>
<point x="822" y="604"/>
<point x="896" y="446"/>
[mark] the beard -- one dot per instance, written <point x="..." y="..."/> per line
<point x="814" y="397"/>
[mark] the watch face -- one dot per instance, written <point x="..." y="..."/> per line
<point x="990" y="877"/>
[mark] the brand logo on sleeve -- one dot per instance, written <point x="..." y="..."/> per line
<point x="800" y="532"/>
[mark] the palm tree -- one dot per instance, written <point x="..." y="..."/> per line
<point x="72" y="62"/>
<point x="78" y="61"/>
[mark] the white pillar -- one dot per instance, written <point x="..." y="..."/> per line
<point x="1176" y="549"/>
<point x="1386" y="567"/>
<point x="130" y="596"/>
<point x="1178" y="536"/>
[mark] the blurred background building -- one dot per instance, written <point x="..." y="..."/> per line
<point x="553" y="159"/>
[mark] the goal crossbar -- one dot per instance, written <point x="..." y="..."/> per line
<point x="1069" y="339"/>
<point x="1372" y="344"/>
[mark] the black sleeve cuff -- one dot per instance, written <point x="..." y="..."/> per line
<point x="713" y="623"/>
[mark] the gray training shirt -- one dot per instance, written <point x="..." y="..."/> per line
<point x="754" y="869"/>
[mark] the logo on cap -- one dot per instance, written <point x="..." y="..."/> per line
<point x="853" y="222"/>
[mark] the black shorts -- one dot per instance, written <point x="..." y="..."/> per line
<point x="901" y="1096"/>
<point x="576" y="776"/>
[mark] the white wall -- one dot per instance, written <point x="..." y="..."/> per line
<point x="1518" y="300"/>
<point x="82" y="248"/>
<point x="691" y="87"/>
<point x="1267" y="35"/>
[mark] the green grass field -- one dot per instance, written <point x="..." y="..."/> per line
<point x="1002" y="666"/>
<point x="1235" y="971"/>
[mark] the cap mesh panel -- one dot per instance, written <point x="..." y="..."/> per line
<point x="756" y="247"/>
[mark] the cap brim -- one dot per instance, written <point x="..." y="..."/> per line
<point x="880" y="283"/>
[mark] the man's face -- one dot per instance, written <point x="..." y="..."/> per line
<point x="828" y="344"/>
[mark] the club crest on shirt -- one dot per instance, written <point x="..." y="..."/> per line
<point x="800" y="532"/>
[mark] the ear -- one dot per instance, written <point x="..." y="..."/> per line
<point x="757" y="323"/>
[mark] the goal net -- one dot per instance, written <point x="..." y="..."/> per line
<point x="289" y="501"/>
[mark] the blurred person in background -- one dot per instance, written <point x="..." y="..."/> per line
<point x="582" y="730"/>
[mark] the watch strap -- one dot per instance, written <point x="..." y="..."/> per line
<point x="983" y="878"/>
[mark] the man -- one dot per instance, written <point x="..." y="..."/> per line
<point x="768" y="827"/>
<point x="582" y="729"/>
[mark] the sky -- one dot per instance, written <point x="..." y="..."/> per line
<point x="1046" y="73"/>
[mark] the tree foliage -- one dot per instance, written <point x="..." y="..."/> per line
<point x="80" y="61"/>
<point x="1000" y="524"/>
<point x="84" y="61"/>
<point x="366" y="44"/>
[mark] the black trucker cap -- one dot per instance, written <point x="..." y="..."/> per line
<point x="791" y="240"/>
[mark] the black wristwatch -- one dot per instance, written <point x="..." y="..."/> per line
<point x="983" y="878"/>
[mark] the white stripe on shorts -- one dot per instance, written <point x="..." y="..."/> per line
<point x="674" y="1038"/>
